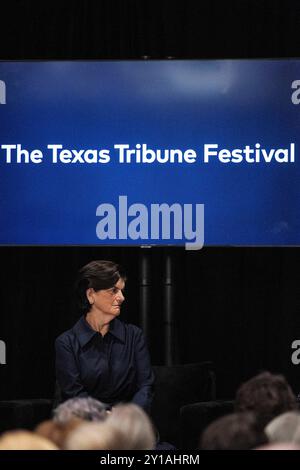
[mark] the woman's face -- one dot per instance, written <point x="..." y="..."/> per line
<point x="107" y="301"/>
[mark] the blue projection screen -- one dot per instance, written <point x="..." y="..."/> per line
<point x="150" y="152"/>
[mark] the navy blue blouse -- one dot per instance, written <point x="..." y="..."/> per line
<point x="112" y="368"/>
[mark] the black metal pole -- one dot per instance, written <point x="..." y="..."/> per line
<point x="169" y="320"/>
<point x="145" y="289"/>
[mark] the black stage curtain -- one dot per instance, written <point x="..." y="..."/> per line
<point x="121" y="29"/>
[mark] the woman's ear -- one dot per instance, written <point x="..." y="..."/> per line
<point x="90" y="295"/>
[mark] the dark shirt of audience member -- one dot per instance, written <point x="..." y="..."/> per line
<point x="86" y="408"/>
<point x="237" y="431"/>
<point x="267" y="395"/>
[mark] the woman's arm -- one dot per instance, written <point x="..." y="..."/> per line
<point x="145" y="377"/>
<point x="67" y="372"/>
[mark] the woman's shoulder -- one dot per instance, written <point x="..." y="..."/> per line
<point x="128" y="328"/>
<point x="65" y="337"/>
<point x="68" y="336"/>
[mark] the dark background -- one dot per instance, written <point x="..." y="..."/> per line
<point x="239" y="307"/>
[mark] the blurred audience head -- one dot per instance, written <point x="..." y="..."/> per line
<point x="267" y="395"/>
<point x="237" y="431"/>
<point x="279" y="446"/>
<point x="57" y="433"/>
<point x="126" y="428"/>
<point x="134" y="423"/>
<point x="25" y="440"/>
<point x="86" y="408"/>
<point x="284" y="428"/>
<point x="94" y="436"/>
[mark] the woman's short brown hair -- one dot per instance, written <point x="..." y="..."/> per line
<point x="99" y="274"/>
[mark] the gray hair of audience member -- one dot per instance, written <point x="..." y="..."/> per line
<point x="284" y="428"/>
<point x="86" y="408"/>
<point x="126" y="428"/>
<point x="267" y="395"/>
<point x="134" y="423"/>
<point x="237" y="431"/>
<point x="95" y="436"/>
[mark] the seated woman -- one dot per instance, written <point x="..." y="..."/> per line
<point x="101" y="356"/>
